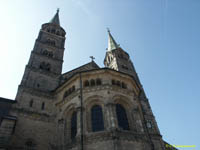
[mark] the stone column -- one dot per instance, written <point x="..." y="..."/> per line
<point x="79" y="138"/>
<point x="78" y="120"/>
<point x="61" y="133"/>
<point x="110" y="110"/>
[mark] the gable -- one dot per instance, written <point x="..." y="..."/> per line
<point x="90" y="66"/>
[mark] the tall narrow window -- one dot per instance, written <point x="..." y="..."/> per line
<point x="86" y="83"/>
<point x="122" y="117"/>
<point x="113" y="82"/>
<point x="98" y="81"/>
<point x="92" y="82"/>
<point x="73" y="125"/>
<point x="73" y="88"/>
<point x="43" y="106"/>
<point x="124" y="85"/>
<point x="97" y="118"/>
<point x="31" y="103"/>
<point x="66" y="94"/>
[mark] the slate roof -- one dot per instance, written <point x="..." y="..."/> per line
<point x="89" y="66"/>
<point x="5" y="106"/>
<point x="55" y="19"/>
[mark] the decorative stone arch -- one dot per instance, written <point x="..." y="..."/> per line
<point x="128" y="105"/>
<point x="92" y="100"/>
<point x="123" y="100"/>
<point x="89" y="103"/>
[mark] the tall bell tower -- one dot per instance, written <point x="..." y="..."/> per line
<point x="116" y="58"/>
<point x="45" y="64"/>
<point x="46" y="59"/>
<point x="34" y="108"/>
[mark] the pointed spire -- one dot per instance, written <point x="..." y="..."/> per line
<point x="55" y="19"/>
<point x="111" y="42"/>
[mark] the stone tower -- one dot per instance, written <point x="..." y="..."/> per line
<point x="34" y="99"/>
<point x="116" y="58"/>
<point x="45" y="63"/>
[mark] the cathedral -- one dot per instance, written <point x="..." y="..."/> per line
<point x="87" y="108"/>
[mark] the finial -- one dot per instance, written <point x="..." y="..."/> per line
<point x="92" y="58"/>
<point x="58" y="9"/>
<point x="108" y="30"/>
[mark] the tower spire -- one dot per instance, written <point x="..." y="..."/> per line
<point x="111" y="42"/>
<point x="55" y="19"/>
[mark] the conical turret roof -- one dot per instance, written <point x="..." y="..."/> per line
<point x="55" y="19"/>
<point x="111" y="42"/>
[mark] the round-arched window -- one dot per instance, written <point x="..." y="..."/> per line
<point x="86" y="83"/>
<point x="97" y="118"/>
<point x="122" y="117"/>
<point x="92" y="82"/>
<point x="98" y="81"/>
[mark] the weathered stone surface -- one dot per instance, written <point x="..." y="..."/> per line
<point x="41" y="116"/>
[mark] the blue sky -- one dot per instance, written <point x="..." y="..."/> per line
<point x="161" y="36"/>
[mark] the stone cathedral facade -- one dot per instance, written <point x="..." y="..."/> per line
<point x="87" y="108"/>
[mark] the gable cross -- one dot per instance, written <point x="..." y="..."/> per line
<point x="92" y="58"/>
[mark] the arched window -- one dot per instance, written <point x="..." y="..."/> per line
<point x="97" y="118"/>
<point x="66" y="94"/>
<point x="113" y="82"/>
<point x="118" y="83"/>
<point x="124" y="85"/>
<point x="108" y="59"/>
<point x="30" y="145"/>
<point x="86" y="83"/>
<point x="73" y="125"/>
<point x="53" y="31"/>
<point x="70" y="90"/>
<point x="48" y="67"/>
<point x="92" y="82"/>
<point x="31" y="103"/>
<point x="73" y="88"/>
<point x="45" y="66"/>
<point x="57" y="33"/>
<point x="122" y="117"/>
<point x="98" y="81"/>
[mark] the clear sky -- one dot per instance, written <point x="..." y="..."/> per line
<point x="161" y="36"/>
